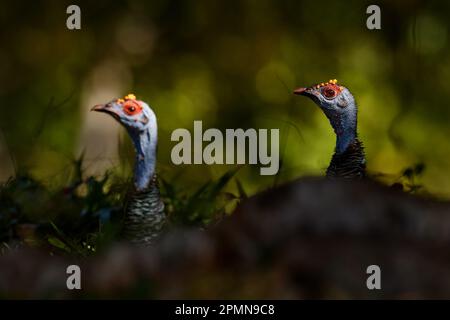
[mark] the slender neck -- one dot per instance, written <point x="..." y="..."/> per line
<point x="145" y="143"/>
<point x="344" y="126"/>
<point x="344" y="139"/>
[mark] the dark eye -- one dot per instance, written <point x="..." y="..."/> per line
<point x="329" y="93"/>
<point x="131" y="109"/>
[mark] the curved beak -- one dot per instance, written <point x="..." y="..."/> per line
<point x="300" y="91"/>
<point x="106" y="108"/>
<point x="311" y="93"/>
<point x="99" y="108"/>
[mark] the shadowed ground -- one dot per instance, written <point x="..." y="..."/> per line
<point x="312" y="238"/>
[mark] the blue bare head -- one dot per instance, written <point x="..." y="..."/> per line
<point x="140" y="121"/>
<point x="340" y="108"/>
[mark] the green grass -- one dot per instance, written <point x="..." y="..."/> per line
<point x="84" y="216"/>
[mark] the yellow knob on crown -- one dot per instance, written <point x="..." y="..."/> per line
<point x="130" y="96"/>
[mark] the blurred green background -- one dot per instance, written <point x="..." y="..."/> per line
<point x="232" y="64"/>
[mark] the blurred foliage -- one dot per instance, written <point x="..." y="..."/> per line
<point x="206" y="205"/>
<point x="85" y="216"/>
<point x="231" y="64"/>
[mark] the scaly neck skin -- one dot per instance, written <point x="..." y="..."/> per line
<point x="344" y="126"/>
<point x="344" y="139"/>
<point x="348" y="160"/>
<point x="145" y="143"/>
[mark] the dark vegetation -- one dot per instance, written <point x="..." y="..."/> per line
<point x="85" y="216"/>
<point x="305" y="239"/>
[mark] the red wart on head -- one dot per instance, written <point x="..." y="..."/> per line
<point x="130" y="105"/>
<point x="328" y="89"/>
